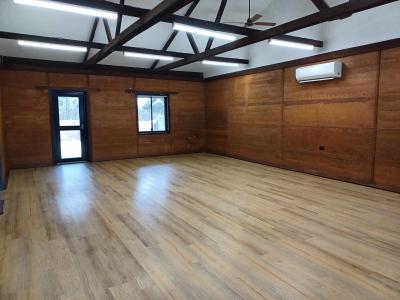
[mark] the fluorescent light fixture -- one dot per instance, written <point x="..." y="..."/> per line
<point x="52" y="46"/>
<point x="70" y="8"/>
<point x="220" y="63"/>
<point x="202" y="31"/>
<point x="148" y="56"/>
<point x="291" y="44"/>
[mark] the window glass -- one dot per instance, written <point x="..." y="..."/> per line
<point x="152" y="113"/>
<point x="158" y="104"/>
<point x="71" y="146"/>
<point x="144" y="113"/>
<point x="68" y="109"/>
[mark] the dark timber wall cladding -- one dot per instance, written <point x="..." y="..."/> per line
<point x="387" y="161"/>
<point x="347" y="128"/>
<point x="338" y="115"/>
<point x="26" y="119"/>
<point x="330" y="128"/>
<point x="3" y="162"/>
<point x="111" y="115"/>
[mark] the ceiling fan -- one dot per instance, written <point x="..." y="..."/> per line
<point x="251" y="21"/>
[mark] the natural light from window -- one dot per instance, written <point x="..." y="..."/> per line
<point x="152" y="114"/>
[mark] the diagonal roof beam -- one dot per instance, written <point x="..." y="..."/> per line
<point x="171" y="18"/>
<point x="107" y="29"/>
<point x="320" y="4"/>
<point x="175" y="32"/>
<point x="43" y="39"/>
<point x="119" y="20"/>
<point x="192" y="43"/>
<point x="217" y="20"/>
<point x="166" y="46"/>
<point x="91" y="37"/>
<point x="149" y="19"/>
<point x="307" y="21"/>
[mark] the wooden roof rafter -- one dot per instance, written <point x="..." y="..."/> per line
<point x="95" y="45"/>
<point x="137" y="12"/>
<point x="150" y="18"/>
<point x="175" y="32"/>
<point x="332" y="13"/>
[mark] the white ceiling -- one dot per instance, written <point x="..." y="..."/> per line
<point x="363" y="28"/>
<point x="51" y="23"/>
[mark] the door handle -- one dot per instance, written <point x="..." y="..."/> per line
<point x="82" y="126"/>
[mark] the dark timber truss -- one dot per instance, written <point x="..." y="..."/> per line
<point x="175" y="33"/>
<point x="164" y="12"/>
<point x="92" y="45"/>
<point x="325" y="15"/>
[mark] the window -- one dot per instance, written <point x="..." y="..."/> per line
<point x="152" y="113"/>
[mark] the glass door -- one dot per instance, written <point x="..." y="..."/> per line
<point x="69" y="126"/>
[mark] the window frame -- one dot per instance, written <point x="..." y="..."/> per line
<point x="166" y="113"/>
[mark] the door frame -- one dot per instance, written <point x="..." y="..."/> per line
<point x="56" y="128"/>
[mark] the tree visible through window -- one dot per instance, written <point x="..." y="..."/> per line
<point x="152" y="113"/>
<point x="68" y="109"/>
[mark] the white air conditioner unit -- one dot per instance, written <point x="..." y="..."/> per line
<point x="320" y="72"/>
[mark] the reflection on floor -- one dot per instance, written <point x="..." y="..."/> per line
<point x="195" y="227"/>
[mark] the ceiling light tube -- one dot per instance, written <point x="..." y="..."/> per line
<point x="219" y="63"/>
<point x="148" y="56"/>
<point x="70" y="8"/>
<point x="52" y="46"/>
<point x="202" y="31"/>
<point x="290" y="44"/>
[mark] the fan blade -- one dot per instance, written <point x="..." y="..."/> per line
<point x="265" y="23"/>
<point x="255" y="18"/>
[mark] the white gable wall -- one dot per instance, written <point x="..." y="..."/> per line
<point x="363" y="28"/>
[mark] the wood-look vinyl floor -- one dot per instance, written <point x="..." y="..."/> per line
<point x="195" y="227"/>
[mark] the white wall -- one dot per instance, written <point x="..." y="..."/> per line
<point x="371" y="26"/>
<point x="374" y="25"/>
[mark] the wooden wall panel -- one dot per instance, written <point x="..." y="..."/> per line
<point x="255" y="117"/>
<point x="111" y="114"/>
<point x="267" y="117"/>
<point x="111" y="82"/>
<point x="65" y="80"/>
<point x="25" y="79"/>
<point x="113" y="126"/>
<point x="387" y="160"/>
<point x="187" y="117"/>
<point x="348" y="154"/>
<point x="255" y="142"/>
<point x="264" y="88"/>
<point x="301" y="148"/>
<point x="246" y="118"/>
<point x="348" y="102"/>
<point x="218" y="94"/>
<point x="121" y="140"/>
<point x="389" y="90"/>
<point x="27" y="127"/>
<point x="153" y="85"/>
<point x="3" y="161"/>
<point x="153" y="145"/>
<point x="343" y="112"/>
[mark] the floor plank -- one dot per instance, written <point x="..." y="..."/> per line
<point x="195" y="226"/>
